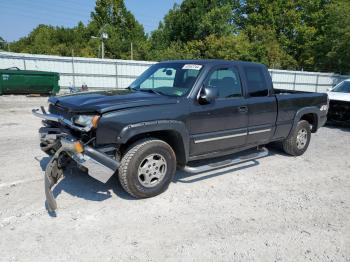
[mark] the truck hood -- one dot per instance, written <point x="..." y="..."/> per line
<point x="339" y="96"/>
<point x="106" y="101"/>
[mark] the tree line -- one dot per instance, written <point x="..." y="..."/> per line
<point x="311" y="35"/>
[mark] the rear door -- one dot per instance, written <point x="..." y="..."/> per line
<point x="261" y="102"/>
<point x="221" y="124"/>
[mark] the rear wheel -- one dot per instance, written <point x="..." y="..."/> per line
<point x="299" y="141"/>
<point x="147" y="168"/>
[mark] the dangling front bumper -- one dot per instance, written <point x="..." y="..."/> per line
<point x="99" y="165"/>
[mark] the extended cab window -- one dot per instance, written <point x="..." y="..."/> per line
<point x="227" y="81"/>
<point x="256" y="81"/>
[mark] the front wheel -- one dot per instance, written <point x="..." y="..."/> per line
<point x="147" y="168"/>
<point x="299" y="141"/>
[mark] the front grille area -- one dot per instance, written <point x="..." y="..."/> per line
<point x="58" y="110"/>
<point x="61" y="111"/>
<point x="339" y="111"/>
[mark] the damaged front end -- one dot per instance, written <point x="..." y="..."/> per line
<point x="339" y="111"/>
<point x="57" y="139"/>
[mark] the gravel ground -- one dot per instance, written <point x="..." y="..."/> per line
<point x="278" y="208"/>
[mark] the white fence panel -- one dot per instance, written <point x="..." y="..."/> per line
<point x="112" y="73"/>
<point x="305" y="81"/>
<point x="282" y="80"/>
<point x="9" y="62"/>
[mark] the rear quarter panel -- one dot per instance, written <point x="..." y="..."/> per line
<point x="291" y="107"/>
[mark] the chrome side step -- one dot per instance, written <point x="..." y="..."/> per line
<point x="261" y="152"/>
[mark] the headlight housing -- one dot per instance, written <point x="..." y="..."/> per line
<point x="86" y="120"/>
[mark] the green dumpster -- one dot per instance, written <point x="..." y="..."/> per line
<point x="16" y="81"/>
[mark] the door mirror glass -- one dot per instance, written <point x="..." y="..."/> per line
<point x="208" y="95"/>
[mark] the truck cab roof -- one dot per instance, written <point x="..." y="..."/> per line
<point x="212" y="62"/>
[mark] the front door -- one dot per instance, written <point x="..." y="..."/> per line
<point x="223" y="123"/>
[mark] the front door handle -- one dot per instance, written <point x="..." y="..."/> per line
<point x="243" y="109"/>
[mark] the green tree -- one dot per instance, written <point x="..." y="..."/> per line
<point x="295" y="25"/>
<point x="333" y="50"/>
<point x="195" y="20"/>
<point x="286" y="34"/>
<point x="265" y="48"/>
<point x="112" y="17"/>
<point x="55" y="41"/>
<point x="222" y="29"/>
<point x="232" y="47"/>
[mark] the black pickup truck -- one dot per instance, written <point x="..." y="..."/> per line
<point x="175" y="113"/>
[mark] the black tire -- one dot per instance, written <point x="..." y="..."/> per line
<point x="292" y="145"/>
<point x="129" y="175"/>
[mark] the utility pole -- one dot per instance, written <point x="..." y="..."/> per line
<point x="131" y="51"/>
<point x="103" y="49"/>
<point x="101" y="37"/>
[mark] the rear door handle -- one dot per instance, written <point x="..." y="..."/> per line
<point x="243" y="109"/>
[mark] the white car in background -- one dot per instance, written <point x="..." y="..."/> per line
<point x="339" y="102"/>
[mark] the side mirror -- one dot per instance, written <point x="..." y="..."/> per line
<point x="208" y="94"/>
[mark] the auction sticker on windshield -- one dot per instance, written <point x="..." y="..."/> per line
<point x="192" y="66"/>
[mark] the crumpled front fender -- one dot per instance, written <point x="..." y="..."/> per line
<point x="53" y="173"/>
<point x="99" y="166"/>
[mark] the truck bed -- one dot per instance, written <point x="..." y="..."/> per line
<point x="289" y="102"/>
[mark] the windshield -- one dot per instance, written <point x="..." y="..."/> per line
<point x="172" y="79"/>
<point x="343" y="87"/>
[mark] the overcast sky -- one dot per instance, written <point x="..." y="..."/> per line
<point x="19" y="17"/>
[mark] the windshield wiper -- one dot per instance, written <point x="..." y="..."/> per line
<point x="150" y="90"/>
